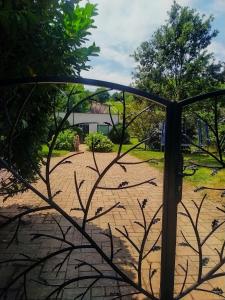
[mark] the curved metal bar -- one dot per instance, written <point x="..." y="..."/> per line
<point x="201" y="97"/>
<point x="99" y="83"/>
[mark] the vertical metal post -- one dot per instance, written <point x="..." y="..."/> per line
<point x="172" y="191"/>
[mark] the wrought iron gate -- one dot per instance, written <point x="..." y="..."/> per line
<point x="175" y="170"/>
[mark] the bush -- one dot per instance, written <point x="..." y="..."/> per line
<point x="115" y="135"/>
<point x="99" y="142"/>
<point x="65" y="140"/>
<point x="51" y="127"/>
<point x="66" y="125"/>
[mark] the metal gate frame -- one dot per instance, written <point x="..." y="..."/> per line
<point x="173" y="168"/>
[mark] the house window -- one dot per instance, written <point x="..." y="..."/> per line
<point x="103" y="129"/>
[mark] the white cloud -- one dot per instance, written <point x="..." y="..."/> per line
<point x="218" y="49"/>
<point x="101" y="73"/>
<point x="121" y="27"/>
<point x="129" y="22"/>
<point x="116" y="56"/>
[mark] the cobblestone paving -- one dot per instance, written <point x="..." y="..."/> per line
<point x="63" y="179"/>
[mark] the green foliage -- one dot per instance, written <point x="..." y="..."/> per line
<point x="202" y="177"/>
<point x="65" y="140"/>
<point x="175" y="62"/>
<point x="98" y="142"/>
<point x="115" y="135"/>
<point x="52" y="127"/>
<point x="66" y="100"/>
<point x="55" y="153"/>
<point x="147" y="125"/>
<point x="45" y="38"/>
<point x="103" y="95"/>
<point x="38" y="38"/>
<point x="66" y="125"/>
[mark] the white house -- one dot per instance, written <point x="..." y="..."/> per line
<point x="92" y="122"/>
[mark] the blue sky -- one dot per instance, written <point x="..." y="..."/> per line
<point x="123" y="24"/>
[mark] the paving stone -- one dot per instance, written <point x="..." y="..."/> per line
<point x="43" y="223"/>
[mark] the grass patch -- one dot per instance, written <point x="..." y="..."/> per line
<point x="55" y="153"/>
<point x="203" y="175"/>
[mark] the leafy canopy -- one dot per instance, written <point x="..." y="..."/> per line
<point x="38" y="38"/>
<point x="45" y="38"/>
<point x="175" y="62"/>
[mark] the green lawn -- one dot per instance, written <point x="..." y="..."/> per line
<point x="201" y="177"/>
<point x="44" y="151"/>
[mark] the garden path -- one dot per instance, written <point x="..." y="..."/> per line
<point x="63" y="179"/>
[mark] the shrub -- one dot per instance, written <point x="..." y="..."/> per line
<point x="115" y="135"/>
<point x="65" y="140"/>
<point x="99" y="142"/>
<point x="51" y="127"/>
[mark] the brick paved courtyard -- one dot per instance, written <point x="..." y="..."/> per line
<point x="63" y="179"/>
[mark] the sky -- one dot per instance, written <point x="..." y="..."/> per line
<point x="122" y="25"/>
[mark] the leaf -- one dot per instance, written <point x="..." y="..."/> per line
<point x="215" y="223"/>
<point x="205" y="261"/>
<point x="121" y="206"/>
<point x="182" y="214"/>
<point x="201" y="188"/>
<point x="214" y="171"/>
<point x="156" y="220"/>
<point x="105" y="234"/>
<point x="6" y="198"/>
<point x="67" y="162"/>
<point x="223" y="194"/>
<point x="156" y="248"/>
<point x="154" y="271"/>
<point x="75" y="208"/>
<point x="35" y="236"/>
<point x="217" y="290"/>
<point x="24" y="207"/>
<point x="122" y="184"/>
<point x="144" y="202"/>
<point x="99" y="209"/>
<point x="183" y="244"/>
<point x="24" y="124"/>
<point x="152" y="183"/>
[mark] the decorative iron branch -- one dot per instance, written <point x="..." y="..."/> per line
<point x="64" y="160"/>
<point x="124" y="185"/>
<point x="85" y="208"/>
<point x="202" y="261"/>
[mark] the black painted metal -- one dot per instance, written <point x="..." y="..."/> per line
<point x="85" y="81"/>
<point x="172" y="189"/>
<point x="201" y="97"/>
<point x="171" y="195"/>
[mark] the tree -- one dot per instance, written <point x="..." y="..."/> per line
<point x="37" y="38"/>
<point x="175" y="62"/>
<point x="147" y="125"/>
<point x="45" y="38"/>
<point x="103" y="95"/>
